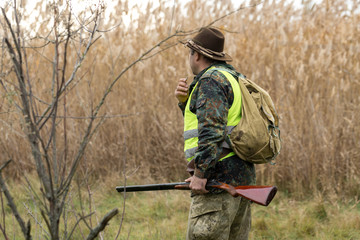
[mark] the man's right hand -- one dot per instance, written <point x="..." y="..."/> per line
<point x="182" y="90"/>
<point x="197" y="185"/>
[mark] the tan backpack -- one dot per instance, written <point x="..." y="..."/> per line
<point x="256" y="138"/>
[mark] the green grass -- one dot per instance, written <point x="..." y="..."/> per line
<point x="309" y="219"/>
<point x="163" y="215"/>
<point x="152" y="215"/>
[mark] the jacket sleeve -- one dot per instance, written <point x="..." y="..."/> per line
<point x="182" y="107"/>
<point x="212" y="106"/>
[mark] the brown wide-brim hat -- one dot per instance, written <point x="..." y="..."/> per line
<point x="210" y="43"/>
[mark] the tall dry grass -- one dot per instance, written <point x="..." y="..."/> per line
<point x="307" y="58"/>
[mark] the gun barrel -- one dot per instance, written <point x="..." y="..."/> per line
<point x="153" y="187"/>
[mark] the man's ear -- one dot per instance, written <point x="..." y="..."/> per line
<point x="197" y="56"/>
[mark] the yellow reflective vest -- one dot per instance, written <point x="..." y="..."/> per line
<point x="191" y="122"/>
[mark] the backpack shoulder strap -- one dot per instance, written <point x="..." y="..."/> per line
<point x="232" y="72"/>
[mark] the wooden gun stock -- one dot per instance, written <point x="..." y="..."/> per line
<point x="258" y="194"/>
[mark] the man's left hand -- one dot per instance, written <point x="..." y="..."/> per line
<point x="197" y="185"/>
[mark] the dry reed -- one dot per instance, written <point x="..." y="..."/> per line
<point x="307" y="58"/>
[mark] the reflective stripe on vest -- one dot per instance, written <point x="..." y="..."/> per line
<point x="191" y="122"/>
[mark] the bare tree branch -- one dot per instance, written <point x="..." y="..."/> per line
<point x="3" y="228"/>
<point x="11" y="30"/>
<point x="82" y="218"/>
<point x="70" y="80"/>
<point x="28" y="231"/>
<point x="11" y="203"/>
<point x="31" y="129"/>
<point x="94" y="232"/>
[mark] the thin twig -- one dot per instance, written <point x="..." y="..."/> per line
<point x="4" y="233"/>
<point x="131" y="226"/>
<point x="32" y="190"/>
<point x="232" y="12"/>
<point x="88" y="134"/>
<point x="110" y="29"/>
<point x="75" y="215"/>
<point x="162" y="50"/>
<point x="124" y="201"/>
<point x="5" y="165"/>
<point x="103" y="116"/>
<point x="36" y="220"/>
<point x="45" y="219"/>
<point x="64" y="96"/>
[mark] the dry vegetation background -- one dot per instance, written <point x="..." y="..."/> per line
<point x="308" y="59"/>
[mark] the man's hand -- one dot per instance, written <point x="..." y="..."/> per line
<point x="197" y="185"/>
<point x="182" y="90"/>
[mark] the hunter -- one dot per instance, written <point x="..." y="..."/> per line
<point x="211" y="107"/>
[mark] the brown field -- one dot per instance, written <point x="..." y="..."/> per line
<point x="308" y="60"/>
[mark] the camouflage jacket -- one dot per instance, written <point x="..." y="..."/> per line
<point x="211" y="101"/>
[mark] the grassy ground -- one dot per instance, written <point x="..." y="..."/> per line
<point x="163" y="215"/>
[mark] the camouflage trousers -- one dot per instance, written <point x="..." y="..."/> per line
<point x="219" y="217"/>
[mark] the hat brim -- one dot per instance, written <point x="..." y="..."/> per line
<point x="225" y="58"/>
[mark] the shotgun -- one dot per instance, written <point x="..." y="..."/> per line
<point x="258" y="194"/>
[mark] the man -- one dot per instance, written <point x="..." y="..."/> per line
<point x="211" y="107"/>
